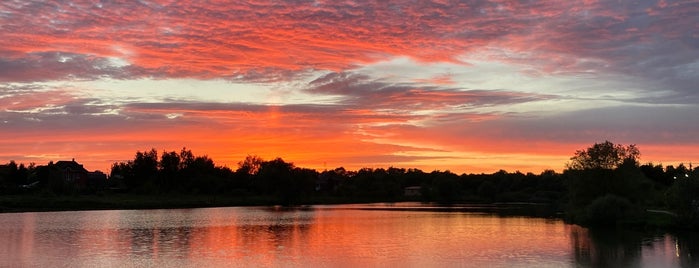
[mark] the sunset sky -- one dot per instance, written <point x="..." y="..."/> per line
<point x="470" y="86"/>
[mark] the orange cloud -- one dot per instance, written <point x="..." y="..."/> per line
<point x="278" y="40"/>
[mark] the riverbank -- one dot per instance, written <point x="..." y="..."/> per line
<point x="40" y="203"/>
<point x="37" y="203"/>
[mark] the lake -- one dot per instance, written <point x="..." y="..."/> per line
<point x="366" y="235"/>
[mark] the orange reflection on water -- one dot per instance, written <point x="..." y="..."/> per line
<point x="351" y="237"/>
<point x="338" y="236"/>
<point x="269" y="236"/>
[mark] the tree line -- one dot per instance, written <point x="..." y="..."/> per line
<point x="185" y="173"/>
<point x="603" y="184"/>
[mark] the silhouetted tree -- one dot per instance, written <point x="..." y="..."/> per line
<point x="606" y="155"/>
<point x="21" y="175"/>
<point x="246" y="172"/>
<point x="275" y="177"/>
<point x="42" y="174"/>
<point x="377" y="184"/>
<point x="673" y="173"/>
<point x="139" y="173"/>
<point x="122" y="175"/>
<point x="251" y="165"/>
<point x="186" y="158"/>
<point x="657" y="174"/>
<point x="11" y="177"/>
<point x="169" y="162"/>
<point x="683" y="199"/>
<point x="549" y="187"/>
<point x="145" y="168"/>
<point x="487" y="190"/>
<point x="12" y="171"/>
<point x="446" y="186"/>
<point x="169" y="171"/>
<point x="606" y="175"/>
<point x="304" y="182"/>
<point x="200" y="175"/>
<point x="330" y="181"/>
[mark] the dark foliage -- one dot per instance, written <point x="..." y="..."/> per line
<point x="683" y="199"/>
<point x="605" y="155"/>
<point x="604" y="184"/>
<point x="610" y="209"/>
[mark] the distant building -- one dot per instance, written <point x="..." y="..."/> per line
<point x="73" y="173"/>
<point x="413" y="191"/>
<point x="96" y="180"/>
<point x="97" y="175"/>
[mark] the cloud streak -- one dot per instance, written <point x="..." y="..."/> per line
<point x="360" y="90"/>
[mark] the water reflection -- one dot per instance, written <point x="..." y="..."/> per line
<point x="345" y="236"/>
<point x="687" y="248"/>
<point x="632" y="248"/>
<point x="605" y="248"/>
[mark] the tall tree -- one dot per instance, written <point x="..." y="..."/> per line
<point x="275" y="177"/>
<point x="605" y="155"/>
<point x="251" y="165"/>
<point x="186" y="158"/>
<point x="169" y="171"/>
<point x="605" y="179"/>
<point x="146" y="164"/>
<point x="145" y="170"/>
<point x="169" y="162"/>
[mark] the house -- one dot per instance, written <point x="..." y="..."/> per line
<point x="73" y="173"/>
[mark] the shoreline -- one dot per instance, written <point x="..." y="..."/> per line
<point x="654" y="219"/>
<point x="39" y="203"/>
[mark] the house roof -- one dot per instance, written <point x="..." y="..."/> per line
<point x="70" y="165"/>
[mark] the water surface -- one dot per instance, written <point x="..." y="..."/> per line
<point x="405" y="235"/>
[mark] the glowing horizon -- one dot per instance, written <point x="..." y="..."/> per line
<point x="470" y="87"/>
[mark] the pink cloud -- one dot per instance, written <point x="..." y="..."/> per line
<point x="437" y="80"/>
<point x="195" y="39"/>
<point x="28" y="101"/>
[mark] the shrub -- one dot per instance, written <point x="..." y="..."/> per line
<point x="608" y="210"/>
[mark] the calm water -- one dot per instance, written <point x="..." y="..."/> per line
<point x="399" y="235"/>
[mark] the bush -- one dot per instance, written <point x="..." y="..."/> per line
<point x="608" y="210"/>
